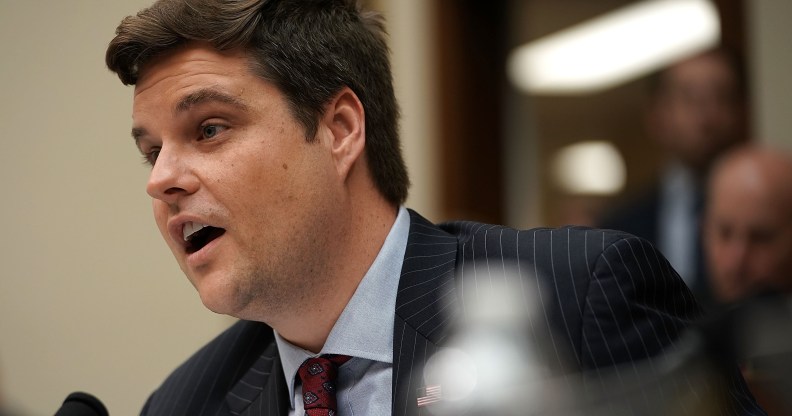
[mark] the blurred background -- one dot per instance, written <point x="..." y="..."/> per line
<point x="90" y="298"/>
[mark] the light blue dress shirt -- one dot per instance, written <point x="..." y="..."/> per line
<point x="364" y="331"/>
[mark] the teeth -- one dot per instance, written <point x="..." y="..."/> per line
<point x="191" y="228"/>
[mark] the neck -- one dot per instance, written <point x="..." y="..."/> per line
<point x="360" y="237"/>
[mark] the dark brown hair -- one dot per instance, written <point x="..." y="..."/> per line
<point x="731" y="59"/>
<point x="309" y="49"/>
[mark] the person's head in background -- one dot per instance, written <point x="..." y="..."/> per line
<point x="748" y="223"/>
<point x="696" y="108"/>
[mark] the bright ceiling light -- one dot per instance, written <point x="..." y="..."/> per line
<point x="590" y="168"/>
<point x="615" y="47"/>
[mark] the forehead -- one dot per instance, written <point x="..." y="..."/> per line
<point x="195" y="80"/>
<point x="745" y="196"/>
<point x="194" y="63"/>
<point x="700" y="72"/>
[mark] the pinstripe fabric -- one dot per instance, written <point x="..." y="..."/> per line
<point x="426" y="302"/>
<point x="606" y="299"/>
<point x="225" y="377"/>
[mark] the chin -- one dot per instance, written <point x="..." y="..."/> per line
<point x="223" y="299"/>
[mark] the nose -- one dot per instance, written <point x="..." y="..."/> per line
<point x="736" y="257"/>
<point x="171" y="178"/>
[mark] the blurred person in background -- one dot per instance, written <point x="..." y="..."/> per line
<point x="747" y="236"/>
<point x="748" y="224"/>
<point x="695" y="114"/>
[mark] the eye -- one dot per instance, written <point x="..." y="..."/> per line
<point x="150" y="157"/>
<point x="209" y="131"/>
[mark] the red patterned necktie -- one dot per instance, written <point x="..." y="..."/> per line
<point x="318" y="377"/>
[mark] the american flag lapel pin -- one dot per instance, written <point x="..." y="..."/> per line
<point x="429" y="395"/>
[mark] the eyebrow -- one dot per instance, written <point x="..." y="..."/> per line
<point x="137" y="133"/>
<point x="206" y="95"/>
<point x="195" y="98"/>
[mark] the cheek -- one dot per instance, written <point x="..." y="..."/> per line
<point x="253" y="188"/>
<point x="777" y="260"/>
<point x="258" y="195"/>
<point x="160" y="210"/>
<point x="715" y="249"/>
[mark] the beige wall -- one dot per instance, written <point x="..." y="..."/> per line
<point x="90" y="298"/>
<point x="771" y="61"/>
<point x="412" y="51"/>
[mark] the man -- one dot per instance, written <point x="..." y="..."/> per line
<point x="695" y="114"/>
<point x="747" y="232"/>
<point x="748" y="224"/>
<point x="277" y="182"/>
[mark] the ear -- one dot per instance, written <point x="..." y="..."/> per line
<point x="345" y="121"/>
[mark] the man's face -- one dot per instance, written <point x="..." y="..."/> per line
<point x="748" y="237"/>
<point x="697" y="114"/>
<point x="228" y="154"/>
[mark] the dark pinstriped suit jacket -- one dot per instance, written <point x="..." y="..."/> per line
<point x="611" y="299"/>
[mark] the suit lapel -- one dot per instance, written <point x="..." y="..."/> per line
<point x="262" y="390"/>
<point x="425" y="303"/>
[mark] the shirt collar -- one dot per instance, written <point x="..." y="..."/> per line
<point x="365" y="327"/>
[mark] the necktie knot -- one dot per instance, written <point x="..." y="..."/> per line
<point x="319" y="375"/>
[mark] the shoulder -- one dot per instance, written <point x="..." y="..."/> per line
<point x="232" y="344"/>
<point x="592" y="287"/>
<point x="205" y="377"/>
<point x="572" y="258"/>
<point x="538" y="244"/>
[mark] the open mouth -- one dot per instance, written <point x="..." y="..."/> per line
<point x="197" y="236"/>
